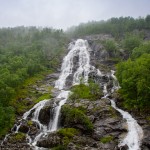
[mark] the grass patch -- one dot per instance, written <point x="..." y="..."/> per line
<point x="82" y="91"/>
<point x="113" y="112"/>
<point x="68" y="132"/>
<point x="27" y="91"/>
<point x="67" y="136"/>
<point x="106" y="139"/>
<point x="44" y="96"/>
<point x="59" y="147"/>
<point x="37" y="77"/>
<point x="30" y="123"/>
<point x="18" y="137"/>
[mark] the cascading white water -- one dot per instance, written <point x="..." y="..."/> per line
<point x="135" y="132"/>
<point x="81" y="49"/>
<point x="64" y="95"/>
<point x="84" y="63"/>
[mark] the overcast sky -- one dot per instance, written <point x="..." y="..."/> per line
<point x="65" y="13"/>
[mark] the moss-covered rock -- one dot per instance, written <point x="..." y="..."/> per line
<point x="17" y="137"/>
<point x="74" y="117"/>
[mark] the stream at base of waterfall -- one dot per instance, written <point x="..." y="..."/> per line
<point x="81" y="49"/>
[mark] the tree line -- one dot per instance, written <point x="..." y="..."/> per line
<point x="117" y="27"/>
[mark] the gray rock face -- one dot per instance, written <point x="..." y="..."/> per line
<point x="52" y="140"/>
<point x="107" y="124"/>
<point x="24" y="128"/>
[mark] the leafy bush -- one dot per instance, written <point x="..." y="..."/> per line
<point x="138" y="51"/>
<point x="110" y="45"/>
<point x="134" y="79"/>
<point x="7" y="119"/>
<point x="131" y="41"/>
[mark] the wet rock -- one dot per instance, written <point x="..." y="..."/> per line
<point x="72" y="146"/>
<point x="146" y="139"/>
<point x="34" y="128"/>
<point x="52" y="140"/>
<point x="46" y="112"/>
<point x="54" y="76"/>
<point x="125" y="147"/>
<point x="24" y="128"/>
<point x="55" y="92"/>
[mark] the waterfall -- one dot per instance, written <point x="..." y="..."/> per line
<point x="81" y="49"/>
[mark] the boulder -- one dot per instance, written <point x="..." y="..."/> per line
<point x="46" y="112"/>
<point x="24" y="128"/>
<point x="125" y="147"/>
<point x="52" y="140"/>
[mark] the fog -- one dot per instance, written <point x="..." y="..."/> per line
<point x="65" y="13"/>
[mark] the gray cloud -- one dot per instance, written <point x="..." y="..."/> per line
<point x="65" y="13"/>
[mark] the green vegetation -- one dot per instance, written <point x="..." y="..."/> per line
<point x="60" y="147"/>
<point x="18" y="137"/>
<point x="142" y="49"/>
<point x="134" y="79"/>
<point x="44" y="96"/>
<point x="131" y="41"/>
<point x="24" y="53"/>
<point x="110" y="45"/>
<point x="106" y="139"/>
<point x="29" y="123"/>
<point x="67" y="135"/>
<point x="68" y="132"/>
<point x="117" y="27"/>
<point x="82" y="91"/>
<point x="73" y="116"/>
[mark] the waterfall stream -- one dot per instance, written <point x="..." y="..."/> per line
<point x="81" y="49"/>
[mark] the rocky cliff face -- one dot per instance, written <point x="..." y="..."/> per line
<point x="84" y="124"/>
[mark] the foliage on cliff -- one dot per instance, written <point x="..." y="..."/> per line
<point x="25" y="52"/>
<point x="134" y="79"/>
